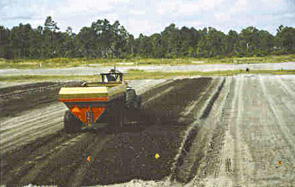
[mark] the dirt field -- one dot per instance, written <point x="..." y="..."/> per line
<point x="234" y="131"/>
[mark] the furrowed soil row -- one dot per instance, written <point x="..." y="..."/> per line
<point x="187" y="161"/>
<point x="16" y="99"/>
<point x="9" y="124"/>
<point x="18" y="161"/>
<point x="213" y="163"/>
<point x="68" y="159"/>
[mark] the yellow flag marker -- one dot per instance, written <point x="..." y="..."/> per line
<point x="157" y="156"/>
<point x="88" y="158"/>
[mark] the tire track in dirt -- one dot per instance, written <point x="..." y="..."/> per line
<point x="11" y="132"/>
<point x="283" y="96"/>
<point x="212" y="170"/>
<point x="34" y="124"/>
<point x="20" y="160"/>
<point x="290" y="94"/>
<point x="223" y="117"/>
<point x="290" y="80"/>
<point x="239" y="173"/>
<point x="192" y="105"/>
<point x="69" y="157"/>
<point x="24" y="140"/>
<point x="158" y="95"/>
<point x="26" y="117"/>
<point x="287" y="136"/>
<point x="80" y="173"/>
<point x="286" y="88"/>
<point x="58" y="151"/>
<point x="243" y="159"/>
<point x="226" y="156"/>
<point x="16" y="99"/>
<point x="187" y="160"/>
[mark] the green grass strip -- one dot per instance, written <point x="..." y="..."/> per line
<point x="139" y="74"/>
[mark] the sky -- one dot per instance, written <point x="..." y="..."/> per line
<point x="152" y="16"/>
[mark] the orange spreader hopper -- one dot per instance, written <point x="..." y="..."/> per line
<point x="89" y="102"/>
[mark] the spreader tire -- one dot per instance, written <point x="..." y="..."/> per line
<point x="71" y="123"/>
<point x="138" y="104"/>
<point x="116" y="116"/>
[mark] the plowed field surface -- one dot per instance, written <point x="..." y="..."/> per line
<point x="233" y="131"/>
<point x="36" y="150"/>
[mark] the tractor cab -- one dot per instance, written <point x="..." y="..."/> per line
<point x="113" y="76"/>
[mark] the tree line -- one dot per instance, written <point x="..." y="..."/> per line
<point x="111" y="40"/>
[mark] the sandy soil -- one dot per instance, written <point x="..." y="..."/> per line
<point x="233" y="131"/>
<point x="253" y="140"/>
<point x="96" y="70"/>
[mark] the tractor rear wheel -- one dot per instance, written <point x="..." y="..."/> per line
<point x="71" y="123"/>
<point x="133" y="101"/>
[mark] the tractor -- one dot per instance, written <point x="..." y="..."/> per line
<point x="105" y="100"/>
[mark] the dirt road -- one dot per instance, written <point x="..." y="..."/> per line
<point x="237" y="131"/>
<point x="200" y="67"/>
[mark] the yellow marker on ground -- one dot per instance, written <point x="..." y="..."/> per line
<point x="157" y="156"/>
<point x="89" y="158"/>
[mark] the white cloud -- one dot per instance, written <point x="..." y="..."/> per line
<point x="165" y="7"/>
<point x="221" y="16"/>
<point x="185" y="8"/>
<point x="239" y="6"/>
<point x="137" y="12"/>
<point x="74" y="6"/>
<point x="190" y="8"/>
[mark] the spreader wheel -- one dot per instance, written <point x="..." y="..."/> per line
<point x="71" y="123"/>
<point x="116" y="116"/>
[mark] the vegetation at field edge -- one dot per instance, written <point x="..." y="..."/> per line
<point x="83" y="62"/>
<point x="138" y="74"/>
<point x="106" y="40"/>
